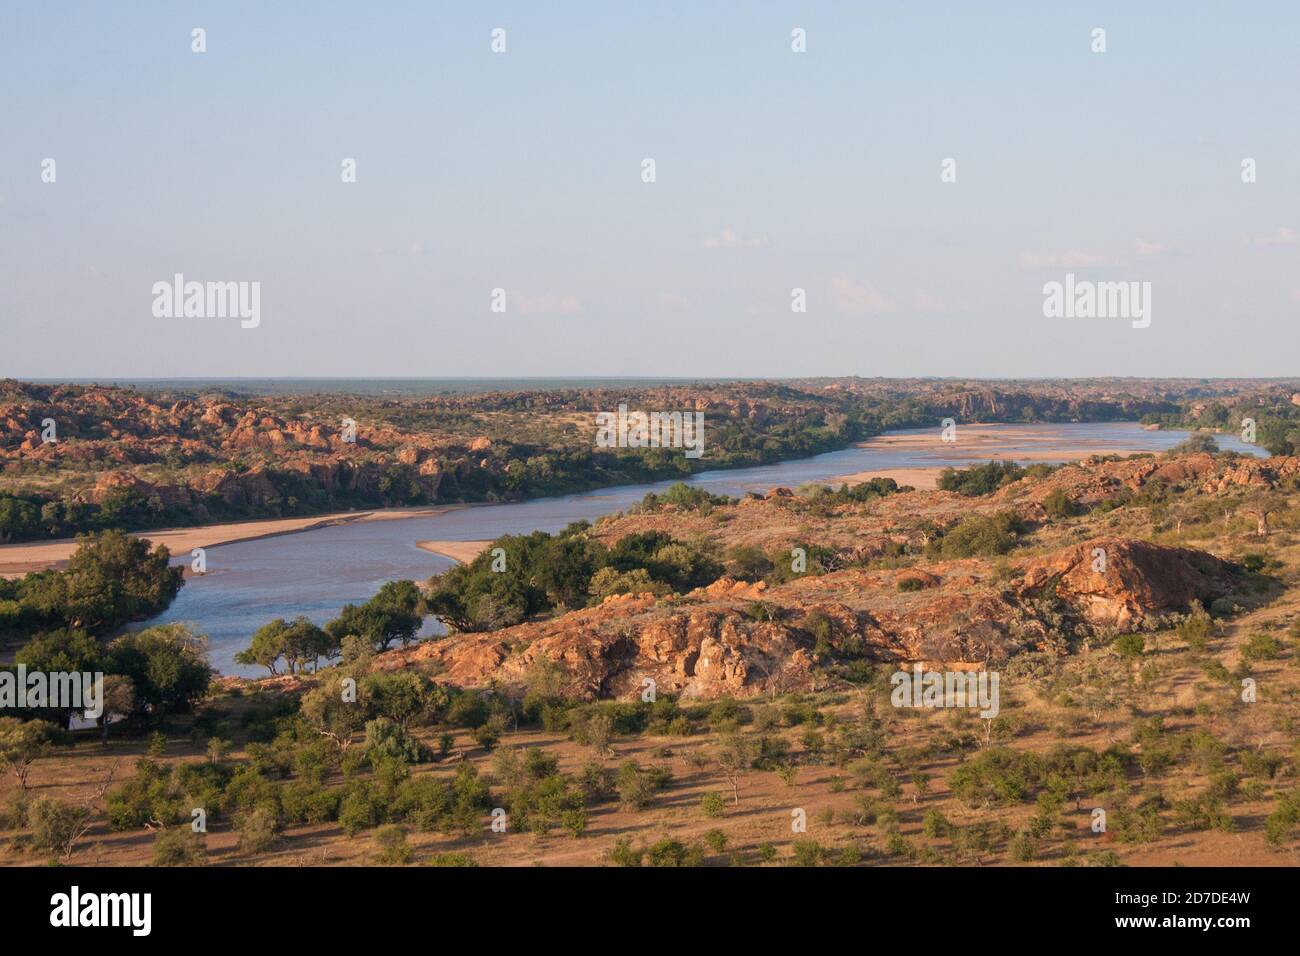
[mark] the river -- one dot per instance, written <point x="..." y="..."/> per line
<point x="314" y="573"/>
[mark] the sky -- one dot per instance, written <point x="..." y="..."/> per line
<point x="523" y="171"/>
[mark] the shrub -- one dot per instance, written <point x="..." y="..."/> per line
<point x="56" y="826"/>
<point x="1282" y="821"/>
<point x="1196" y="630"/>
<point x="636" y="786"/>
<point x="997" y="776"/>
<point x="934" y="824"/>
<point x="673" y="853"/>
<point x="808" y="853"/>
<point x="258" y="830"/>
<point x="390" y="840"/>
<point x="488" y="734"/>
<point x="357" y="812"/>
<point x="305" y="801"/>
<point x="179" y="846"/>
<point x="624" y="854"/>
<point x="148" y="797"/>
<point x="1130" y="646"/>
<point x="1023" y="847"/>
<point x="1261" y="647"/>
<point x="717" y="840"/>
<point x="386" y="739"/>
<point x="713" y="805"/>
<point x="980" y="479"/>
<point x="1057" y="504"/>
<point x="450" y="859"/>
<point x="979" y="535"/>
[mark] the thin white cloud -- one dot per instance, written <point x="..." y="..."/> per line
<point x="1072" y="259"/>
<point x="730" y="239"/>
<point x="416" y="248"/>
<point x="859" y="297"/>
<point x="1144" y="247"/>
<point x="549" y="303"/>
<point x="924" y="301"/>
<point x="1281" y="236"/>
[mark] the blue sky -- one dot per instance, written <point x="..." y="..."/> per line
<point x="775" y="170"/>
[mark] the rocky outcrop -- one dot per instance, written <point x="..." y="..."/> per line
<point x="712" y="642"/>
<point x="1121" y="583"/>
<point x="610" y="651"/>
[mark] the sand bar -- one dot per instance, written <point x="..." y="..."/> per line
<point x="922" y="479"/>
<point x="976" y="443"/>
<point x="461" y="551"/>
<point x="20" y="559"/>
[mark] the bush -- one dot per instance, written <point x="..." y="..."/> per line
<point x="624" y="854"/>
<point x="179" y="847"/>
<point x="1282" y="821"/>
<point x="934" y="824"/>
<point x="390" y="840"/>
<point x="1057" y="504"/>
<point x="997" y="776"/>
<point x="1261" y="647"/>
<point x="1130" y="646"/>
<point x="979" y="535"/>
<point x="450" y="859"/>
<point x="358" y="811"/>
<point x="56" y="826"/>
<point x="1023" y="848"/>
<point x="713" y="805"/>
<point x="808" y="853"/>
<point x="148" y="797"/>
<point x="304" y="801"/>
<point x="258" y="830"/>
<point x="1196" y="630"/>
<point x="980" y="479"/>
<point x="386" y="739"/>
<point x="636" y="786"/>
<point x="673" y="853"/>
<point x="717" y="840"/>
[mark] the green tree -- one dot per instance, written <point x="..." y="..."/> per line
<point x="332" y="709"/>
<point x="22" y="743"/>
<point x="111" y="578"/>
<point x="298" y="642"/>
<point x="167" y="665"/>
<point x="394" y="614"/>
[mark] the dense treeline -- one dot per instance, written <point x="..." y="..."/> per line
<point x="538" y="457"/>
<point x="111" y="579"/>
<point x="1277" y="425"/>
<point x="394" y="614"/>
<point x="64" y="616"/>
<point x="565" y="570"/>
<point x="515" y="472"/>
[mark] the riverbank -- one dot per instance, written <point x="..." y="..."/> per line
<point x="19" y="559"/>
<point x="974" y="443"/>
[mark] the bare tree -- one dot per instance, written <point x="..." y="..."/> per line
<point x="735" y="757"/>
<point x="1261" y="504"/>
